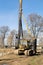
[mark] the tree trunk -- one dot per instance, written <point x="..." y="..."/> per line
<point x="35" y="45"/>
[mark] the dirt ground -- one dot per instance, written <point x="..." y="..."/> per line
<point x="12" y="59"/>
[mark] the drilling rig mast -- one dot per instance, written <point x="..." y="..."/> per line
<point x="20" y="30"/>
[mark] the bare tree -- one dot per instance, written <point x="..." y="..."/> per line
<point x="10" y="38"/>
<point x="36" y="23"/>
<point x="41" y="39"/>
<point x="1" y="41"/>
<point x="3" y="31"/>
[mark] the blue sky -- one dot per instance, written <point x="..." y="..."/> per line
<point x="9" y="11"/>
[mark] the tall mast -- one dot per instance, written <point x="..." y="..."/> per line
<point x="20" y="30"/>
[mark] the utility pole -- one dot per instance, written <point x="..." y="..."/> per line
<point x="20" y="30"/>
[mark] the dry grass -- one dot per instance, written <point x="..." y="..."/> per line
<point x="12" y="59"/>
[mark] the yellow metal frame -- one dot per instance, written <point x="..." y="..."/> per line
<point x="26" y="24"/>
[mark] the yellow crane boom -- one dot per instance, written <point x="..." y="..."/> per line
<point x="26" y="25"/>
